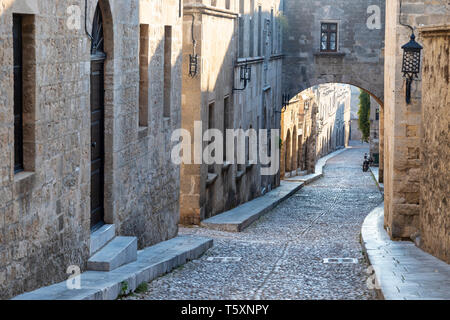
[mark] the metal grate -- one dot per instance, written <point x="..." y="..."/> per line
<point x="340" y="260"/>
<point x="411" y="62"/>
<point x="224" y="259"/>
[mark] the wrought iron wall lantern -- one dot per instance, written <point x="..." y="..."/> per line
<point x="245" y="76"/>
<point x="411" y="64"/>
<point x="193" y="58"/>
<point x="193" y="65"/>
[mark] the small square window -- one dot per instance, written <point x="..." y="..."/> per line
<point x="328" y="37"/>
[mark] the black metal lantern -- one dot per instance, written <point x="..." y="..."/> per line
<point x="245" y="75"/>
<point x="411" y="64"/>
<point x="193" y="65"/>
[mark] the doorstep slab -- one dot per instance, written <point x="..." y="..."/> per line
<point x="101" y="237"/>
<point x="120" y="251"/>
<point x="151" y="263"/>
<point x="403" y="271"/>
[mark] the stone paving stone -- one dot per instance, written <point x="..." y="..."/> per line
<point x="237" y="219"/>
<point x="280" y="256"/>
<point x="403" y="271"/>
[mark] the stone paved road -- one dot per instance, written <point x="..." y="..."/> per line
<point x="281" y="255"/>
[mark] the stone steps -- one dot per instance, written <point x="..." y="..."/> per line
<point x="152" y="262"/>
<point x="101" y="237"/>
<point x="118" y="252"/>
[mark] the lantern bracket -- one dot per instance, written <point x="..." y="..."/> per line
<point x="245" y="76"/>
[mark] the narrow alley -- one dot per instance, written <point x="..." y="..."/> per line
<point x="281" y="255"/>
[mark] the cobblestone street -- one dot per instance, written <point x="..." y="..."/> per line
<point x="281" y="255"/>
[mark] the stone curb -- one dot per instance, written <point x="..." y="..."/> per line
<point x="237" y="219"/>
<point x="151" y="263"/>
<point x="375" y="175"/>
<point x="402" y="270"/>
<point x="241" y="217"/>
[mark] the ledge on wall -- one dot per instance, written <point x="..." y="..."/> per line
<point x="329" y="54"/>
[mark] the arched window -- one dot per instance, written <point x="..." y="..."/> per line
<point x="97" y="45"/>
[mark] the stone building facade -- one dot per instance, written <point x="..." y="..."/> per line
<point x="227" y="36"/>
<point x="355" y="132"/>
<point x="403" y="123"/>
<point x="374" y="139"/>
<point x="356" y="56"/>
<point x="52" y="77"/>
<point x="315" y="123"/>
<point x="435" y="142"/>
<point x="334" y="101"/>
<point x="299" y="135"/>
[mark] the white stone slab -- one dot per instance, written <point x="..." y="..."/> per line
<point x="403" y="271"/>
<point x="101" y="237"/>
<point x="120" y="251"/>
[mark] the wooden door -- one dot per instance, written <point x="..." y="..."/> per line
<point x="97" y="141"/>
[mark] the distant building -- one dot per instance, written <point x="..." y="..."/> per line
<point x="374" y="140"/>
<point x="355" y="132"/>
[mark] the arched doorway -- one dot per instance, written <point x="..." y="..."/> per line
<point x="97" y="101"/>
<point x="294" y="149"/>
<point x="288" y="154"/>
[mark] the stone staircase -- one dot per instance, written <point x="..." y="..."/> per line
<point x="109" y="252"/>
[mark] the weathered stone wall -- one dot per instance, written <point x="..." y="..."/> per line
<point x="402" y="122"/>
<point x="334" y="107"/>
<point x="355" y="133"/>
<point x="149" y="182"/>
<point x="296" y="135"/>
<point x="209" y="190"/>
<point x="374" y="139"/>
<point x="435" y="142"/>
<point x="45" y="211"/>
<point x="359" y="58"/>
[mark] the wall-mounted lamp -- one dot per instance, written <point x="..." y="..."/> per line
<point x="411" y="64"/>
<point x="193" y="58"/>
<point x="193" y="65"/>
<point x="246" y="73"/>
<point x="246" y="76"/>
<point x="285" y="103"/>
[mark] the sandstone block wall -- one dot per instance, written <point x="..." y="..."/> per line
<point x="435" y="142"/>
<point x="403" y="123"/>
<point x="374" y="140"/>
<point x="210" y="190"/>
<point x="45" y="211"/>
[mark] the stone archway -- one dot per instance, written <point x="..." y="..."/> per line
<point x="359" y="58"/>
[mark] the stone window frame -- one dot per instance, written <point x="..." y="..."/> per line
<point x="338" y="28"/>
<point x="23" y="178"/>
<point x="143" y="75"/>
<point x="167" y="71"/>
